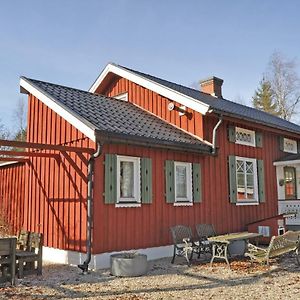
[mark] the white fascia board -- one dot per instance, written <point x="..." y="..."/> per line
<point x="86" y="130"/>
<point x="287" y="162"/>
<point x="8" y="163"/>
<point x="153" y="86"/>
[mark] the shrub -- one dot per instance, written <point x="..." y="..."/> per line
<point x="5" y="227"/>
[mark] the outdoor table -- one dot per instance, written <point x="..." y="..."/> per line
<point x="222" y="244"/>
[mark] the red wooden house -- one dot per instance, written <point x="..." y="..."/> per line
<point x="165" y="154"/>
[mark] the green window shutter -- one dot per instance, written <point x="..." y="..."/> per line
<point x="298" y="146"/>
<point x="110" y="178"/>
<point x="197" y="193"/>
<point x="258" y="139"/>
<point x="281" y="146"/>
<point x="232" y="179"/>
<point x="231" y="134"/>
<point x="146" y="179"/>
<point x="261" y="180"/>
<point x="170" y="181"/>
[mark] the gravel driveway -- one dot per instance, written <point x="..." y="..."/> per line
<point x="165" y="281"/>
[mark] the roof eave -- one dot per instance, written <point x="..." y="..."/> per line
<point x="117" y="138"/>
<point x="217" y="111"/>
<point x="87" y="128"/>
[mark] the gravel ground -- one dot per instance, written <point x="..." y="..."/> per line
<point x="165" y="281"/>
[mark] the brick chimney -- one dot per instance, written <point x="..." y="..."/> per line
<point x="212" y="86"/>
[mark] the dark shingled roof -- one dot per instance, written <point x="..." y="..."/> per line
<point x="117" y="119"/>
<point x="224" y="106"/>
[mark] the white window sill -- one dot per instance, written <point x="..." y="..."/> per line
<point x="246" y="203"/>
<point x="289" y="151"/>
<point x="245" y="144"/>
<point x="118" y="205"/>
<point x="183" y="204"/>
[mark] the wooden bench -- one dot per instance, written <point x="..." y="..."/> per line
<point x="8" y="259"/>
<point x="31" y="255"/>
<point x="279" y="245"/>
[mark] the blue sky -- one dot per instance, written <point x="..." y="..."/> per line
<point x="69" y="42"/>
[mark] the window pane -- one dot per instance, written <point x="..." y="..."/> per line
<point x="181" y="188"/>
<point x="240" y="179"/>
<point x="126" y="179"/>
<point x="249" y="167"/>
<point x="245" y="179"/>
<point x="290" y="182"/>
<point x="241" y="185"/>
<point x="250" y="186"/>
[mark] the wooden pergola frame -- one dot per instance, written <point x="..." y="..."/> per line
<point x="19" y="155"/>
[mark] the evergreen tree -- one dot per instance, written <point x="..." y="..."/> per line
<point x="263" y="98"/>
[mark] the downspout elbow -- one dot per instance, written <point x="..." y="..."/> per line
<point x="215" y="135"/>
<point x="84" y="267"/>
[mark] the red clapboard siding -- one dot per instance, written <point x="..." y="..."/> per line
<point x="12" y="182"/>
<point x="148" y="226"/>
<point x="56" y="192"/>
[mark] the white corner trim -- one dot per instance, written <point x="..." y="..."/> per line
<point x="287" y="162"/>
<point x="153" y="86"/>
<point x="89" y="132"/>
<point x="99" y="261"/>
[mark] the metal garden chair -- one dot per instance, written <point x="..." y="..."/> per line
<point x="183" y="243"/>
<point x="205" y="231"/>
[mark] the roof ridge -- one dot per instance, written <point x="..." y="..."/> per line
<point x="184" y="86"/>
<point x="196" y="90"/>
<point x="216" y="100"/>
<point x="60" y="85"/>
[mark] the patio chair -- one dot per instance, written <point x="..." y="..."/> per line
<point x="183" y="243"/>
<point x="205" y="231"/>
<point x="32" y="255"/>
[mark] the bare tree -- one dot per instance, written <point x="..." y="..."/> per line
<point x="4" y="135"/>
<point x="285" y="84"/>
<point x="19" y="116"/>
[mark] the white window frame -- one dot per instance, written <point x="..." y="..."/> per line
<point x="189" y="198"/>
<point x="122" y="96"/>
<point x="246" y="131"/>
<point x="294" y="142"/>
<point x="255" y="200"/>
<point x="136" y="182"/>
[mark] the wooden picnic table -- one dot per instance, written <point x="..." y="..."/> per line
<point x="230" y="244"/>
